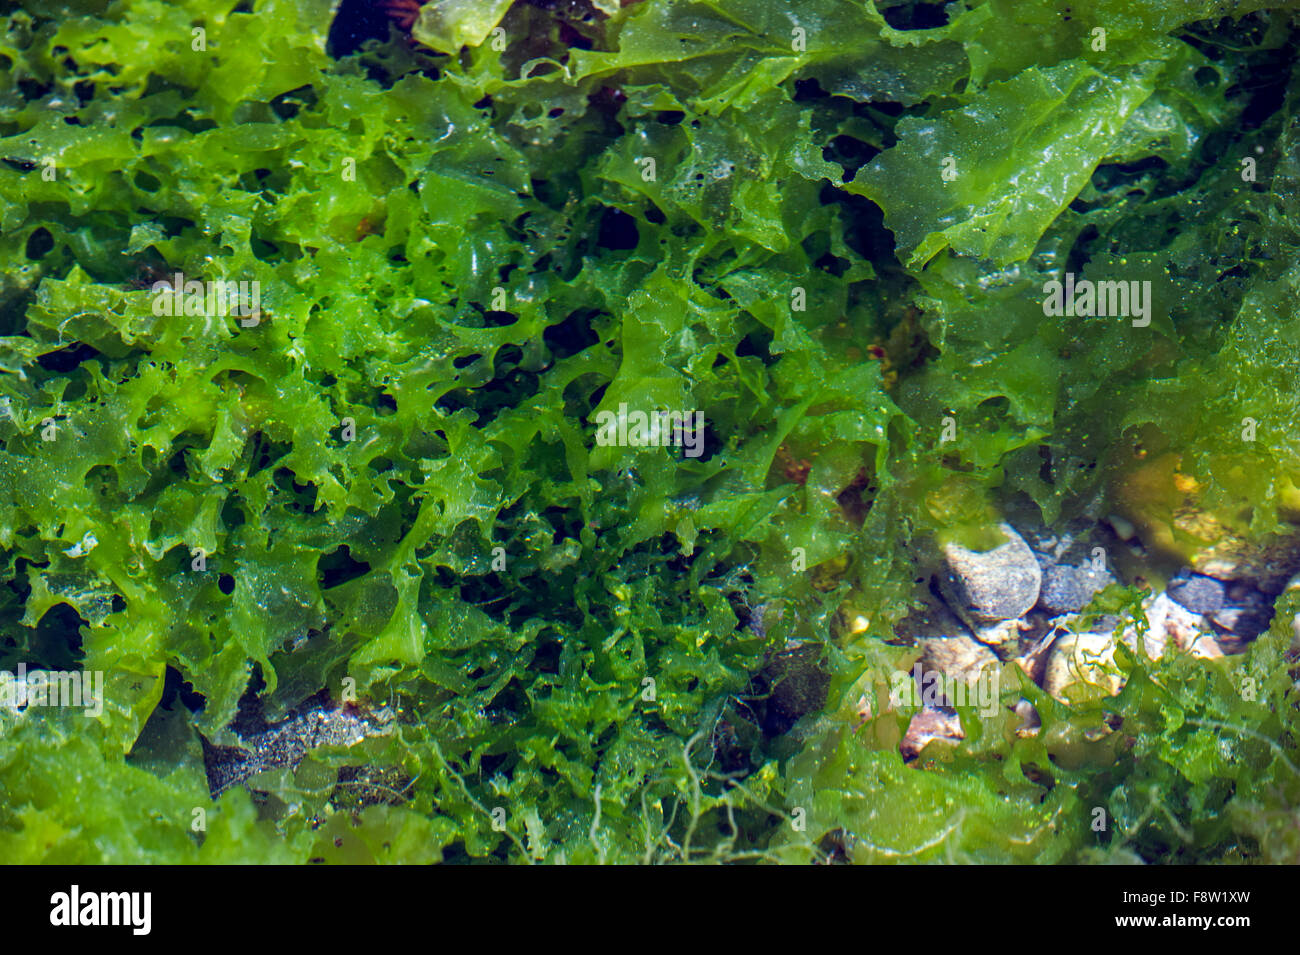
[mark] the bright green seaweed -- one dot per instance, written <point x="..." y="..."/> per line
<point x="437" y="241"/>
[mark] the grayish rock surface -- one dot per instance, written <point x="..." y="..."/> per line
<point x="1074" y="563"/>
<point x="1068" y="589"/>
<point x="992" y="586"/>
<point x="1196" y="592"/>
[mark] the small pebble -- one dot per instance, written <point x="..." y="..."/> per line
<point x="1030" y="721"/>
<point x="998" y="635"/>
<point x="1082" y="659"/>
<point x="927" y="725"/>
<point x="1170" y="622"/>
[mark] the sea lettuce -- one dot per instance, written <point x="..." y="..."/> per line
<point x="389" y="482"/>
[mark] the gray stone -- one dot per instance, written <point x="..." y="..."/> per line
<point x="1243" y="622"/>
<point x="1056" y="546"/>
<point x="1030" y="721"/>
<point x="1074" y="564"/>
<point x="1196" y="592"/>
<point x="991" y="586"/>
<point x="1068" y="589"/>
<point x="1237" y="611"/>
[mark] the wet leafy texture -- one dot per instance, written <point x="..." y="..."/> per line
<point x="391" y="476"/>
<point x="1026" y="147"/>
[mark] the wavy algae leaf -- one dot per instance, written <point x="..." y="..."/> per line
<point x="888" y="812"/>
<point x="450" y="24"/>
<point x="988" y="178"/>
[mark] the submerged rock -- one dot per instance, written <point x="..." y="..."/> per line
<point x="1069" y="588"/>
<point x="1010" y="603"/>
<point x="1030" y="721"/>
<point x="284" y="744"/>
<point x="1267" y="564"/>
<point x="1082" y="659"/>
<point x="953" y="671"/>
<point x="1168" y="622"/>
<point x="1000" y="635"/>
<point x="929" y="724"/>
<point x="1196" y="592"/>
<point x="988" y="587"/>
<point x="959" y="657"/>
<point x="1074" y="565"/>
<point x="1245" y="614"/>
<point x="797" y="684"/>
<point x="1089" y="658"/>
<point x="1032" y="658"/>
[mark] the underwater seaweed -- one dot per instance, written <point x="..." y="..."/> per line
<point x="479" y="232"/>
